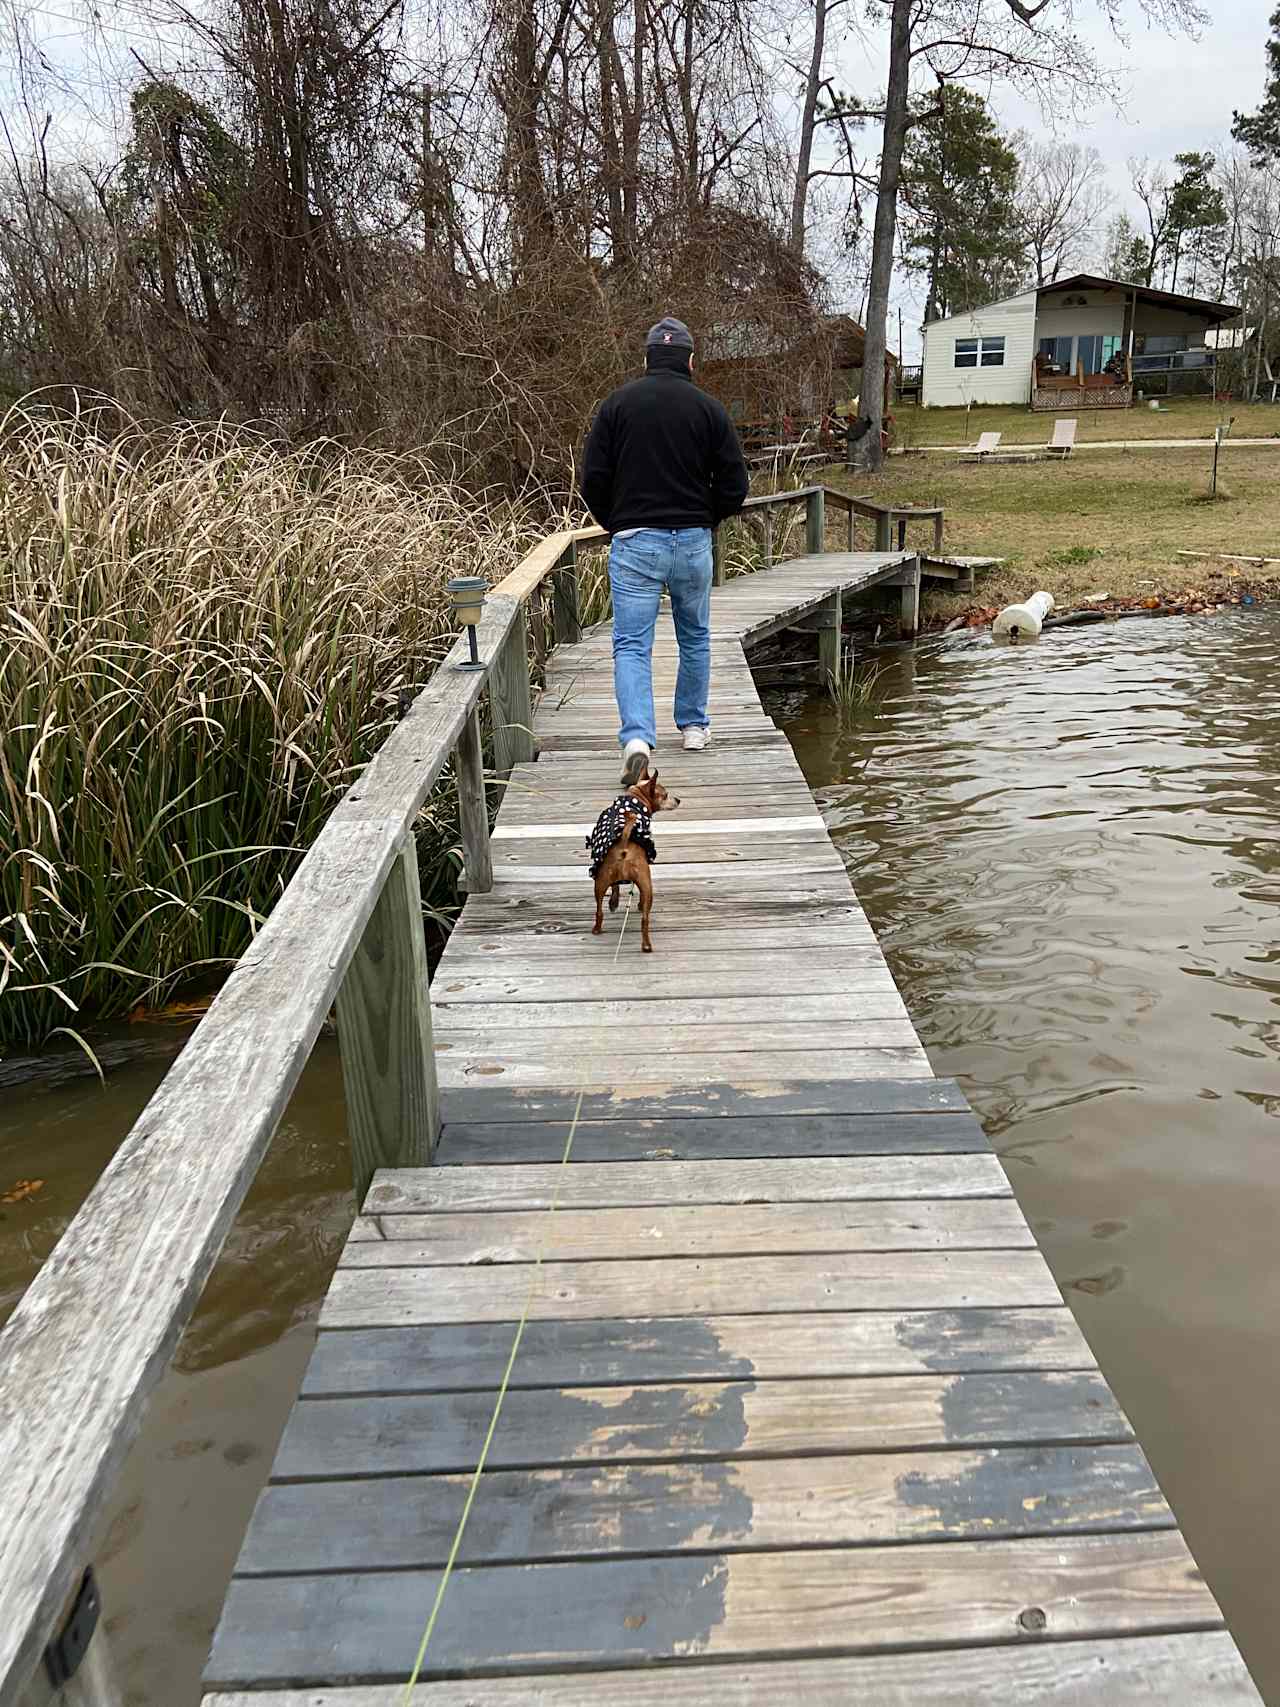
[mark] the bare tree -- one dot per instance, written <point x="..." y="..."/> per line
<point x="824" y="106"/>
<point x="1062" y="199"/>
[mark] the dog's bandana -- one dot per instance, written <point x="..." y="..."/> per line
<point x="610" y="825"/>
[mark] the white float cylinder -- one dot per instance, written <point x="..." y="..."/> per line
<point x="1024" y="621"/>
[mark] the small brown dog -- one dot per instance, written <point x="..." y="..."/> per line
<point x="622" y="849"/>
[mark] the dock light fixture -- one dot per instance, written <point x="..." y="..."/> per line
<point x="466" y="592"/>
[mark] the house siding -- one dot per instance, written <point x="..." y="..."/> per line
<point x="1104" y="316"/>
<point x="946" y="385"/>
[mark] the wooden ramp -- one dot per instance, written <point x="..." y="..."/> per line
<point x="797" y="1406"/>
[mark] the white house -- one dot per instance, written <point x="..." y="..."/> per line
<point x="1082" y="342"/>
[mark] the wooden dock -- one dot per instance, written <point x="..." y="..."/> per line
<point x="798" y="1405"/>
<point x="680" y="1278"/>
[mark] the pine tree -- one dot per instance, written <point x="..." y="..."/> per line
<point x="960" y="223"/>
<point x="1260" y="131"/>
<point x="1127" y="256"/>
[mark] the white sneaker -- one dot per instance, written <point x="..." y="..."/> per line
<point x="696" y="739"/>
<point x="635" y="762"/>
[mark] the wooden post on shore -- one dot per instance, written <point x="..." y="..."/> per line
<point x="384" y="1033"/>
<point x="564" y="595"/>
<point x="473" y="808"/>
<point x="717" y="560"/>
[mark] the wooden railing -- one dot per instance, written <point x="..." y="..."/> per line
<point x="99" y="1325"/>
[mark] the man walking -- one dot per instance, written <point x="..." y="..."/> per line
<point x="661" y="471"/>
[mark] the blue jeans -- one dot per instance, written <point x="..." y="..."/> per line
<point x="639" y="568"/>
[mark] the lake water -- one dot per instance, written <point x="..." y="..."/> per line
<point x="1072" y="854"/>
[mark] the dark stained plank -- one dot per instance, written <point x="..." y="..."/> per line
<point x="691" y="1139"/>
<point x="834" y="1096"/>
<point x="545" y="1427"/>
<point x="761" y="1229"/>
<point x="1198" y="1670"/>
<point x="716" y="1606"/>
<point x="509" y="1188"/>
<point x="520" y="1517"/>
<point x="631" y="1352"/>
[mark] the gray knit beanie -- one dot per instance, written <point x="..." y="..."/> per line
<point x="669" y="334"/>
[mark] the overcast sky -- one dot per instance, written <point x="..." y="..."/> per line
<point x="1179" y="95"/>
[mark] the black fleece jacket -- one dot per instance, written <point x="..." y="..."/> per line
<point x="662" y="454"/>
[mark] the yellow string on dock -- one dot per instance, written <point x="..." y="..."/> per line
<point x="506" y="1374"/>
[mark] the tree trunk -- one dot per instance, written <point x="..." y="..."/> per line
<point x="808" y="123"/>
<point x="868" y="452"/>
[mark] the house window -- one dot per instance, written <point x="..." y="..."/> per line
<point x="1095" y="349"/>
<point x="979" y="352"/>
<point x="1057" y="354"/>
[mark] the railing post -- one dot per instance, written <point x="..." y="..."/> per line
<point x="830" y="637"/>
<point x="884" y="537"/>
<point x="384" y="1034"/>
<point x="815" y="522"/>
<point x="473" y="808"/>
<point x="850" y="518"/>
<point x="768" y="538"/>
<point x="95" y="1681"/>
<point x="717" y="560"/>
<point x="510" y="701"/>
<point x="565" y="597"/>
<point x="538" y="626"/>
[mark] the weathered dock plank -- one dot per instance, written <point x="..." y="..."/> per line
<point x="1174" y="1671"/>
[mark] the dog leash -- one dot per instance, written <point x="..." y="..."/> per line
<point x="521" y="1324"/>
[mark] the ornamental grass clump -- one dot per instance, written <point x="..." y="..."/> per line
<point x="203" y="637"/>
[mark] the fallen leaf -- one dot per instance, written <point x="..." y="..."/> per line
<point x="21" y="1190"/>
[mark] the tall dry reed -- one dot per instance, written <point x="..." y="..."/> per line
<point x="203" y="636"/>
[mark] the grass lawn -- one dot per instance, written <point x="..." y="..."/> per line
<point x="1108" y="523"/>
<point x="1183" y="418"/>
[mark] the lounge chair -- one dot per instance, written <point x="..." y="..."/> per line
<point x="1063" y="441"/>
<point x="987" y="445"/>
